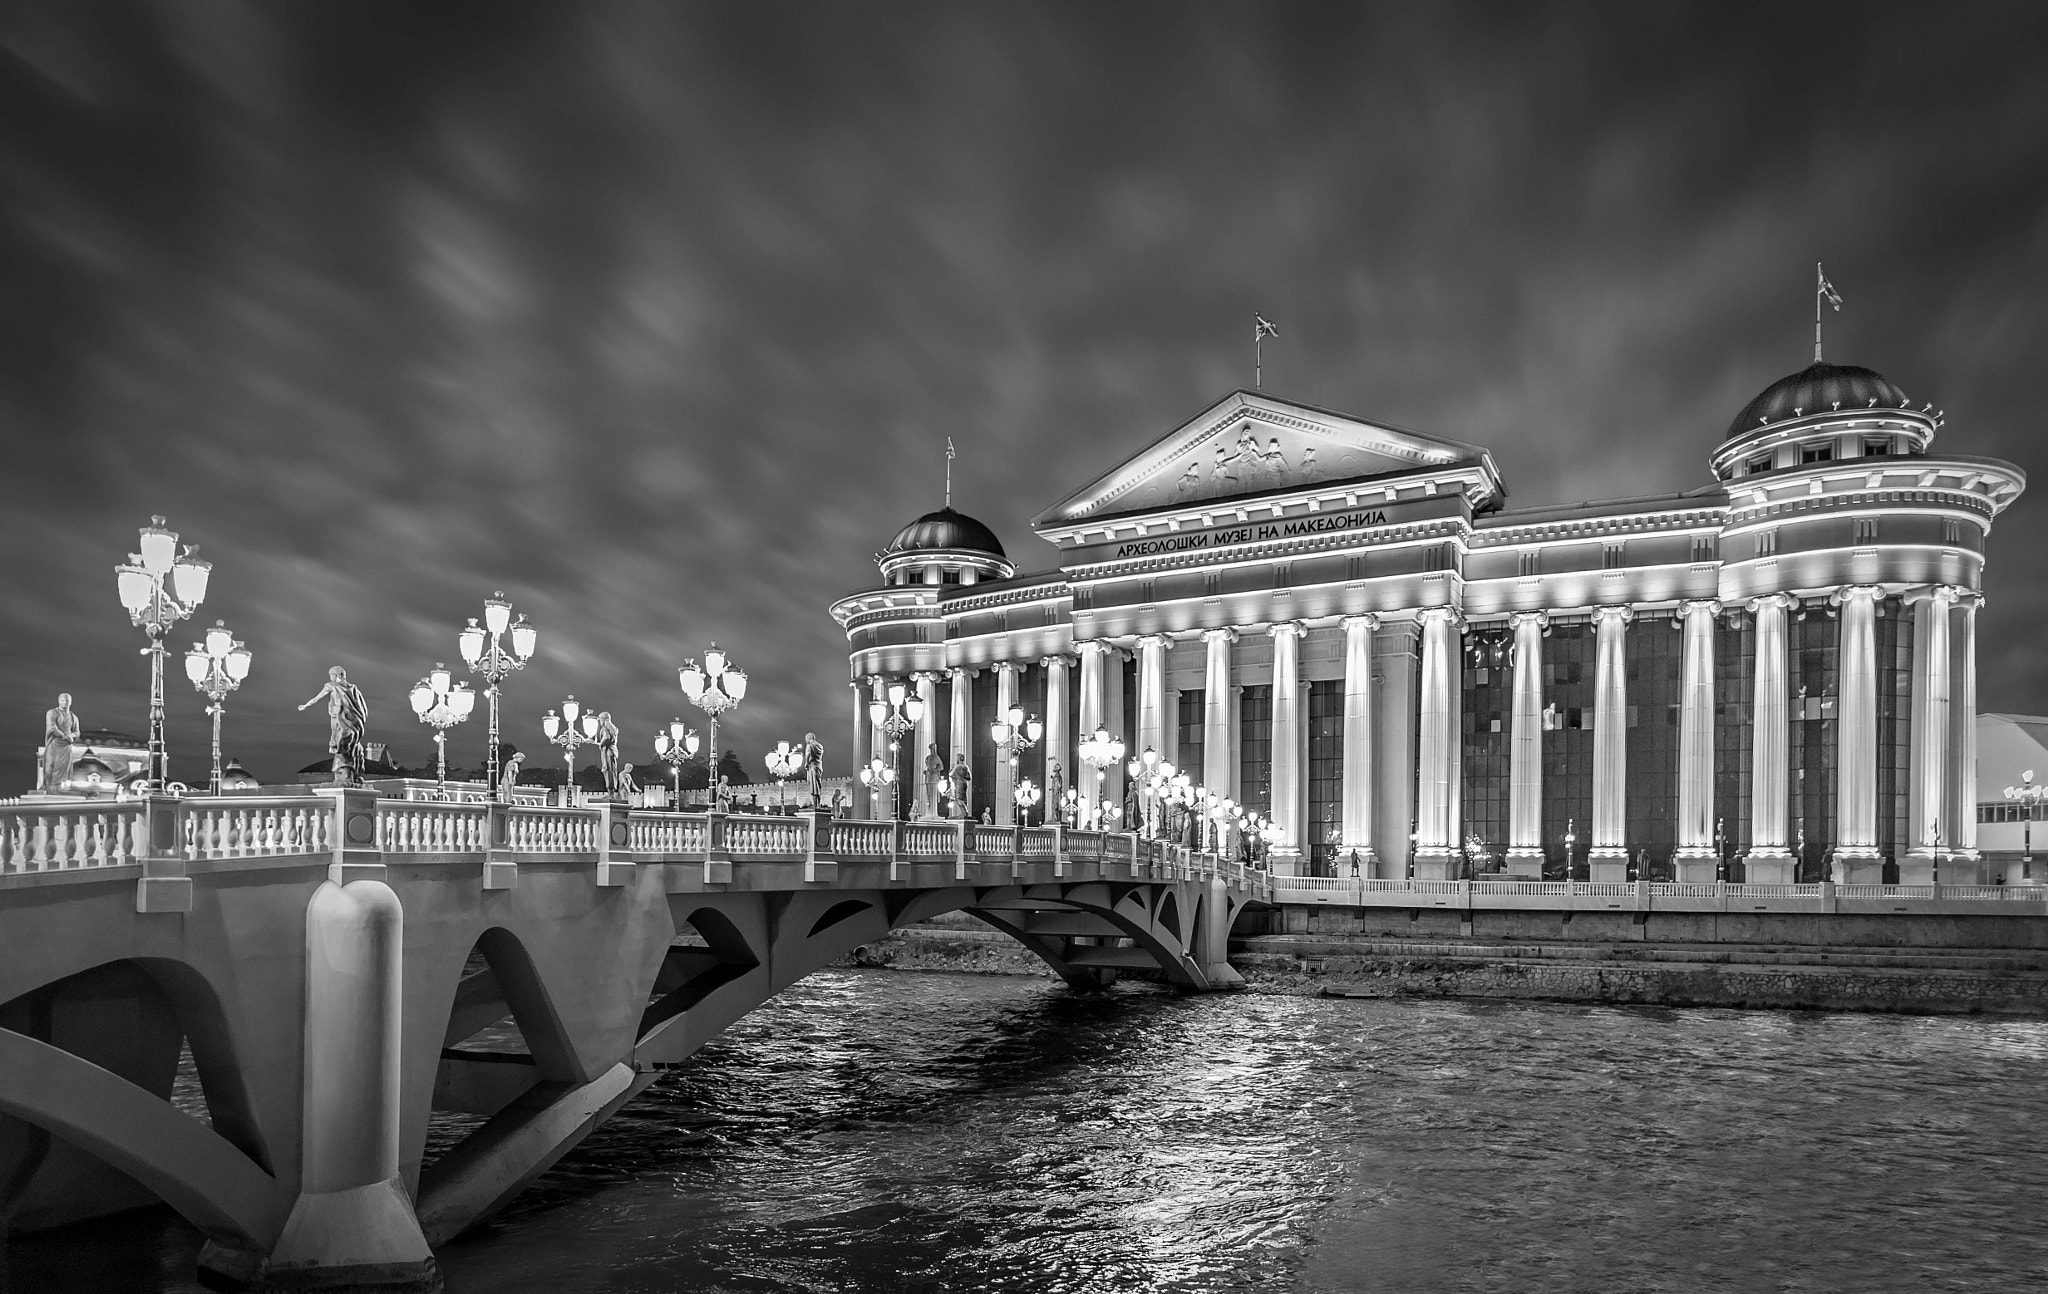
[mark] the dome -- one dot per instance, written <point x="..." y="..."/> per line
<point x="945" y="529"/>
<point x="1818" y="388"/>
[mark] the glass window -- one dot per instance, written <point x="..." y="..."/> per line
<point x="1761" y="463"/>
<point x="1255" y="747"/>
<point x="1876" y="446"/>
<point x="1325" y="774"/>
<point x="1816" y="453"/>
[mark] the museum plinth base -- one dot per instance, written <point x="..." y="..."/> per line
<point x="1524" y="863"/>
<point x="1607" y="865"/>
<point x="1856" y="867"/>
<point x="1768" y="866"/>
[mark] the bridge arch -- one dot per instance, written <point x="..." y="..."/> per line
<point x="90" y="1060"/>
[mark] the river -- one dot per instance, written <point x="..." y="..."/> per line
<point x="889" y="1131"/>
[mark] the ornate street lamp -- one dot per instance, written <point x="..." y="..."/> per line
<point x="713" y="687"/>
<point x="876" y="774"/>
<point x="1015" y="733"/>
<point x="1571" y="838"/>
<point x="784" y="762"/>
<point x="217" y="667"/>
<point x="1070" y="807"/>
<point x="896" y="716"/>
<point x="2031" y="796"/>
<point x="674" y="748"/>
<point x="482" y="653"/>
<point x="1139" y="770"/>
<point x="159" y="588"/>
<point x="440" y="701"/>
<point x="565" y="732"/>
<point x="1026" y="795"/>
<point x="1101" y="752"/>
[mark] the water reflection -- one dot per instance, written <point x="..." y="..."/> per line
<point x="875" y="1131"/>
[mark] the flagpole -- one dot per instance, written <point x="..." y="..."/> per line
<point x="1819" y="281"/>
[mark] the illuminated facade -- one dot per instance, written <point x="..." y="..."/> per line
<point x="1341" y="624"/>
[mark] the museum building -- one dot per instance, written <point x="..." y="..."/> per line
<point x="1341" y="625"/>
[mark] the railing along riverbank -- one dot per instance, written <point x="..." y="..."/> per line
<point x="1651" y="896"/>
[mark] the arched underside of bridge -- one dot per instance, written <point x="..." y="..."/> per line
<point x="90" y="1060"/>
<point x="733" y="953"/>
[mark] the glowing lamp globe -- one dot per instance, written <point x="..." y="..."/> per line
<point x="188" y="577"/>
<point x="735" y="683"/>
<point x="497" y="613"/>
<point x="197" y="663"/>
<point x="136" y="587"/>
<point x="471" y="641"/>
<point x="550" y="724"/>
<point x="159" y="547"/>
<point x="219" y="641"/>
<point x="523" y="636"/>
<point x="422" y="697"/>
<point x="238" y="661"/>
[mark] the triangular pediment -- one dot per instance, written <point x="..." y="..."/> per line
<point x="1251" y="444"/>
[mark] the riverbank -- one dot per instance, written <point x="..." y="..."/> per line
<point x="1916" y="980"/>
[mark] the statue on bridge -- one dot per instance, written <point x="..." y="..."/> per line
<point x="508" y="776"/>
<point x="814" y="770"/>
<point x="607" y="739"/>
<point x="60" y="730"/>
<point x="962" y="780"/>
<point x="934" y="773"/>
<point x="627" y="788"/>
<point x="1055" y="790"/>
<point x="348" y="717"/>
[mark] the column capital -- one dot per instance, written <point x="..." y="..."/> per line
<point x="1699" y="606"/>
<point x="1782" y="601"/>
<point x="1851" y="592"/>
<point x="1623" y="614"/>
<point x="1286" y="629"/>
<point x="924" y="676"/>
<point x="1219" y="635"/>
<point x="1060" y="659"/>
<point x="1541" y="619"/>
<point x="1005" y="666"/>
<point x="1090" y="647"/>
<point x="1367" y="621"/>
<point x="1162" y="641"/>
<point x="962" y="671"/>
<point x="1447" y="614"/>
<point x="1931" y="593"/>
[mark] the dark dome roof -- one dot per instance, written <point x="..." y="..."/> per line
<point x="1817" y="388"/>
<point x="945" y="529"/>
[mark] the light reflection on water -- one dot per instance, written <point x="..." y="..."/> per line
<point x="882" y="1131"/>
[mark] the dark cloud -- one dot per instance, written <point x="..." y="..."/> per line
<point x="657" y="316"/>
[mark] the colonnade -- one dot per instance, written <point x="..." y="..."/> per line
<point x="1941" y="790"/>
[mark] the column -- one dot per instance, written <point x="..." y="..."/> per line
<point x="1856" y="860"/>
<point x="1058" y="743"/>
<point x="1091" y="717"/>
<point x="1436" y="732"/>
<point x="960" y="741"/>
<point x="1006" y="772"/>
<point x="1357" y="803"/>
<point x="1287" y="852"/>
<point x="1525" y="749"/>
<point x="1152" y="718"/>
<point x="861" y="748"/>
<point x="1113" y="719"/>
<point x="1928" y="827"/>
<point x="1696" y="861"/>
<point x="1769" y="859"/>
<point x="1963" y="865"/>
<point x="1217" y="772"/>
<point x="884" y="802"/>
<point x="927" y="742"/>
<point x="1608" y="858"/>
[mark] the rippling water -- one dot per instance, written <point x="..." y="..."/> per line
<point x="884" y="1131"/>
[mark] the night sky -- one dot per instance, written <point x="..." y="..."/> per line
<point x="657" y="316"/>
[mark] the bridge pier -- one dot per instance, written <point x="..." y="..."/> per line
<point x="353" y="1224"/>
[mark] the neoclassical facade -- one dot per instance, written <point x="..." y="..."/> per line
<point x="1342" y="625"/>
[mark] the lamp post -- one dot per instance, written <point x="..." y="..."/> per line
<point x="875" y="775"/>
<point x="484" y="655"/>
<point x="217" y="667"/>
<point x="674" y="748"/>
<point x="1571" y="837"/>
<point x="567" y="733"/>
<point x="1069" y="807"/>
<point x="1015" y="732"/>
<point x="159" y="588"/>
<point x="895" y="716"/>
<point x="784" y="762"/>
<point x="713" y="687"/>
<point x="1101" y="752"/>
<point x="439" y="701"/>
<point x="1220" y="809"/>
<point x="2031" y="796"/>
<point x="1027" y="795"/>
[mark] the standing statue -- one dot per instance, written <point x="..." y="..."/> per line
<point x="721" y="796"/>
<point x="508" y="776"/>
<point x="348" y="717"/>
<point x="628" y="788"/>
<point x="934" y="773"/>
<point x="607" y="739"/>
<point x="814" y="769"/>
<point x="963" y="781"/>
<point x="1055" y="789"/>
<point x="60" y="731"/>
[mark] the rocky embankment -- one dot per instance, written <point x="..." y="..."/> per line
<point x="1915" y="980"/>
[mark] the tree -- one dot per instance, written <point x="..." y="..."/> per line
<point x="730" y="768"/>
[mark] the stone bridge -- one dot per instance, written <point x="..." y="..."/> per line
<point x="340" y="967"/>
